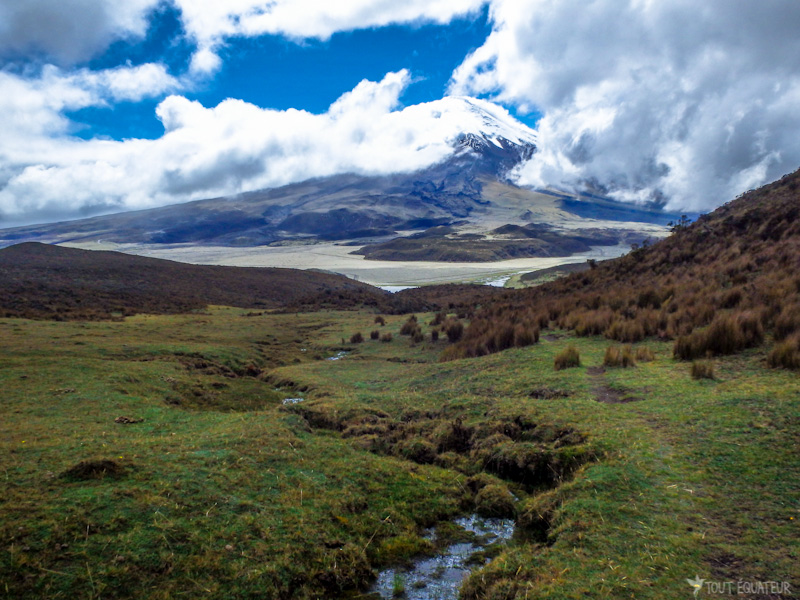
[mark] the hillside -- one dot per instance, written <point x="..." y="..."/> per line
<point x="736" y="270"/>
<point x="42" y="281"/>
<point x="53" y="282"/>
<point x="443" y="244"/>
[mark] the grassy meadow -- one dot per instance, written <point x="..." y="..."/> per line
<point x="624" y="481"/>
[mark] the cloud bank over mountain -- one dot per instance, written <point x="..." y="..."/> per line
<point x="233" y="147"/>
<point x="685" y="101"/>
<point x="676" y="101"/>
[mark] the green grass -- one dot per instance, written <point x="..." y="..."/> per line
<point x="225" y="493"/>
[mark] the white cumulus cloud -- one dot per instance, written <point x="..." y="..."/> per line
<point x="211" y="22"/>
<point x="222" y="150"/>
<point x="689" y="102"/>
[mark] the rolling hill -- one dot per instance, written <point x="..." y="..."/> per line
<point x="716" y="286"/>
<point x="43" y="281"/>
<point x="53" y="282"/>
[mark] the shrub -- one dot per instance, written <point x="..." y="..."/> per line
<point x="386" y="337"/>
<point x="569" y="357"/>
<point x="702" y="369"/>
<point x="644" y="354"/>
<point x="356" y="338"/>
<point x="375" y="334"/>
<point x="379" y="320"/>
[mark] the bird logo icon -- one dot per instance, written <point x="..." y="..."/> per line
<point x="696" y="583"/>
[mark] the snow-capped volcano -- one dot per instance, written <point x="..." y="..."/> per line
<point x="488" y="121"/>
<point x="460" y="122"/>
<point x="463" y="150"/>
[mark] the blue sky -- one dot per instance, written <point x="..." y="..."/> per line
<point x="115" y="105"/>
<point x="272" y="71"/>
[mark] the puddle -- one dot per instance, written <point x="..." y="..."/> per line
<point x="339" y="355"/>
<point x="290" y="401"/>
<point x="440" y="577"/>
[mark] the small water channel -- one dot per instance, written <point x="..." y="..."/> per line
<point x="440" y="577"/>
<point x="339" y="355"/>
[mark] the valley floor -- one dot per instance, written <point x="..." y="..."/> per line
<point x="221" y="454"/>
<point x="338" y="259"/>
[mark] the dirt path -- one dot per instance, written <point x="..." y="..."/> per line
<point x="601" y="390"/>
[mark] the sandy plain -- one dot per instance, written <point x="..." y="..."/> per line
<point x="335" y="258"/>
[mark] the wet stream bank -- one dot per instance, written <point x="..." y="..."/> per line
<point x="440" y="577"/>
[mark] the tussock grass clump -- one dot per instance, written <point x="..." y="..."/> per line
<point x="727" y="334"/>
<point x="94" y="469"/>
<point x="619" y="357"/>
<point x="417" y="337"/>
<point x="785" y="355"/>
<point x="494" y="500"/>
<point x="567" y="358"/>
<point x="629" y="331"/>
<point x="440" y="318"/>
<point x="454" y="329"/>
<point x="645" y="354"/>
<point x="356" y="338"/>
<point x="537" y="513"/>
<point x="788" y="322"/>
<point x="434" y="335"/>
<point x="401" y="549"/>
<point x="410" y="326"/>
<point x="379" y="320"/>
<point x="702" y="369"/>
<point x="374" y="334"/>
<point x="386" y="337"/>
<point x="487" y="337"/>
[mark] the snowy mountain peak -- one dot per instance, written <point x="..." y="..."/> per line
<point x="491" y="122"/>
<point x="462" y="122"/>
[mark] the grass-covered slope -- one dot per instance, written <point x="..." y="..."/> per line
<point x="717" y="286"/>
<point x="52" y="282"/>
<point x="43" y="281"/>
<point x="623" y="482"/>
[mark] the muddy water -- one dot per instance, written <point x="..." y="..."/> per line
<point x="440" y="577"/>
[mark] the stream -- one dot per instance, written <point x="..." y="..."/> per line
<point x="440" y="577"/>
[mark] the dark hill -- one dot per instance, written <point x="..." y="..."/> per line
<point x="42" y="281"/>
<point x="717" y="286"/>
<point x="53" y="282"/>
